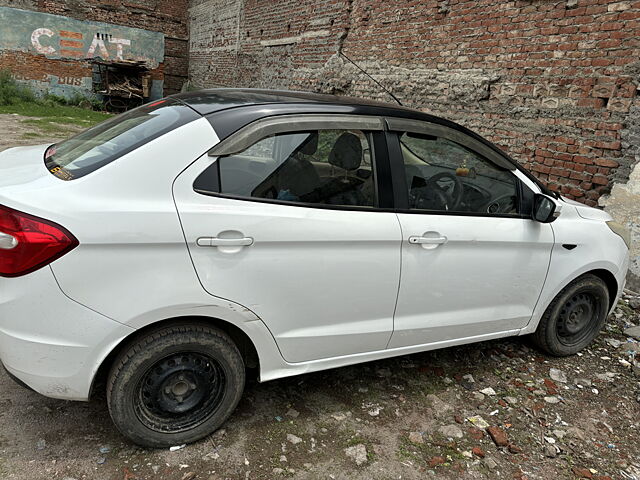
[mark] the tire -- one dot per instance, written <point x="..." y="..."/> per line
<point x="175" y="385"/>
<point x="574" y="318"/>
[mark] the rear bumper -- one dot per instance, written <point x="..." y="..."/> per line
<point x="16" y="379"/>
<point x="48" y="341"/>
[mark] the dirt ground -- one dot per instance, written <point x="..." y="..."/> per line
<point x="496" y="409"/>
<point x="14" y="132"/>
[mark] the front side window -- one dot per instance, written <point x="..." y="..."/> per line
<point x="326" y="167"/>
<point x="98" y="146"/>
<point x="442" y="175"/>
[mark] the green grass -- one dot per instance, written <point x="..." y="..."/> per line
<point x="29" y="135"/>
<point x="11" y="92"/>
<point x="57" y="113"/>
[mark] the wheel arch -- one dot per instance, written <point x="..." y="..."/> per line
<point x="601" y="270"/>
<point x="244" y="343"/>
<point x="610" y="281"/>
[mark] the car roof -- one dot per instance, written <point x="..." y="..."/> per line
<point x="229" y="109"/>
<point x="214" y="100"/>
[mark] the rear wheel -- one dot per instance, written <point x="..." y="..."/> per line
<point x="175" y="385"/>
<point x="574" y="318"/>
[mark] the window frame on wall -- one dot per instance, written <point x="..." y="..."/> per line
<point x="397" y="126"/>
<point x="209" y="181"/>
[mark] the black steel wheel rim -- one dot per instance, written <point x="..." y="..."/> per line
<point x="180" y="392"/>
<point x="578" y="317"/>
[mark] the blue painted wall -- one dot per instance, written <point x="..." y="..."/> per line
<point x="59" y="37"/>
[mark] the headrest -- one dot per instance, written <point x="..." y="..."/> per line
<point x="310" y="145"/>
<point x="347" y="152"/>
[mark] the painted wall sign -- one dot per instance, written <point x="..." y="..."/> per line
<point x="56" y="36"/>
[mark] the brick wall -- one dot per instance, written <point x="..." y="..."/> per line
<point x="554" y="83"/>
<point x="166" y="16"/>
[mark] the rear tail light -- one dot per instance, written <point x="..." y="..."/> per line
<point x="28" y="243"/>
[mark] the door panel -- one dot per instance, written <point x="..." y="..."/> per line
<point x="485" y="277"/>
<point x="472" y="262"/>
<point x="304" y="248"/>
<point x="324" y="282"/>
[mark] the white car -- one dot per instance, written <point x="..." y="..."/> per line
<point x="173" y="246"/>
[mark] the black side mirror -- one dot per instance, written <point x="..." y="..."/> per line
<point x="545" y="209"/>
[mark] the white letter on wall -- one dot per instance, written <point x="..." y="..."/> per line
<point x="97" y="42"/>
<point x="35" y="41"/>
<point x="119" y="43"/>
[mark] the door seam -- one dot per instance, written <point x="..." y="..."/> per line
<point x="395" y="308"/>
<point x="544" y="283"/>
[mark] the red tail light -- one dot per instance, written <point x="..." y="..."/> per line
<point x="28" y="243"/>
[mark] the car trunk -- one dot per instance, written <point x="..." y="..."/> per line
<point x="23" y="173"/>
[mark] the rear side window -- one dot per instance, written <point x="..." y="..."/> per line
<point x="100" y="145"/>
<point x="326" y="167"/>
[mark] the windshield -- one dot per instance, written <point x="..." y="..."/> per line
<point x="94" y="148"/>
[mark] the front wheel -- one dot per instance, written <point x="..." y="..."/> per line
<point x="175" y="385"/>
<point x="574" y="318"/>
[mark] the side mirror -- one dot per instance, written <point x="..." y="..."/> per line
<point x="545" y="209"/>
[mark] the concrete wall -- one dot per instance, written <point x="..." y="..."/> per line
<point x="157" y="32"/>
<point x="624" y="201"/>
<point x="551" y="82"/>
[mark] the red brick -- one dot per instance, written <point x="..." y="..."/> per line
<point x="581" y="472"/>
<point x="605" y="162"/>
<point x="598" y="180"/>
<point x="478" y="452"/>
<point x="499" y="436"/>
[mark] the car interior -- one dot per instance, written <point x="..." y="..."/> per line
<point x="443" y="175"/>
<point x="322" y="167"/>
<point x="334" y="167"/>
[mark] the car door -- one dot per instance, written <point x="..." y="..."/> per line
<point x="285" y="218"/>
<point x="473" y="261"/>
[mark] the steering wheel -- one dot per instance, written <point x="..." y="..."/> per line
<point x="451" y="199"/>
<point x="502" y="204"/>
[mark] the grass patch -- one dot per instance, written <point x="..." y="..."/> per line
<point x="52" y="126"/>
<point x="31" y="135"/>
<point x="52" y="112"/>
<point x="12" y="93"/>
<point x="57" y="113"/>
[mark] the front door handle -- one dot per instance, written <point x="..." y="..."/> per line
<point x="224" y="242"/>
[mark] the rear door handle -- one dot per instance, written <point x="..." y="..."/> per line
<point x="224" y="242"/>
<point x="428" y="240"/>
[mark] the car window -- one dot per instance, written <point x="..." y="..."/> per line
<point x="445" y="176"/>
<point x="327" y="167"/>
<point x="98" y="146"/>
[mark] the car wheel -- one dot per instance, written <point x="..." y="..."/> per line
<point x="574" y="318"/>
<point x="175" y="385"/>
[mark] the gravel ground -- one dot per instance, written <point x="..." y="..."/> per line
<point x="490" y="410"/>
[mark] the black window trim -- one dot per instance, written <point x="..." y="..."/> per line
<point x="395" y="124"/>
<point x="272" y="125"/>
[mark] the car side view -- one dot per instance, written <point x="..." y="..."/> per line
<point x="174" y="246"/>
